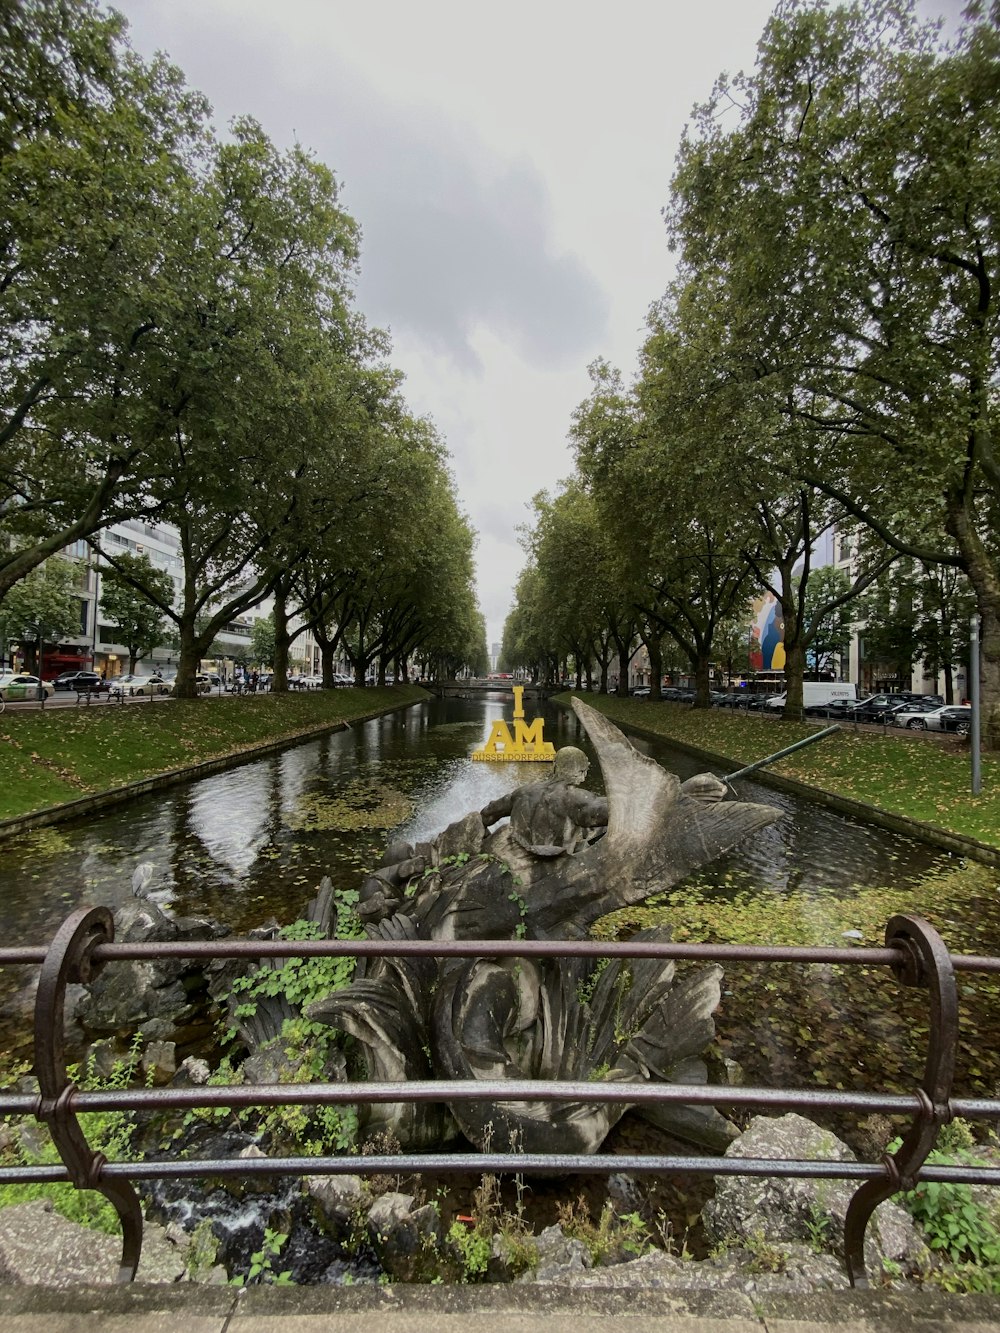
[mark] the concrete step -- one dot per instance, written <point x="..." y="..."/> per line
<point x="529" y="1309"/>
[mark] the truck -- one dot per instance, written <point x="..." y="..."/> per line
<point x="819" y="694"/>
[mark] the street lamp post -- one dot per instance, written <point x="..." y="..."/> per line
<point x="974" y="697"/>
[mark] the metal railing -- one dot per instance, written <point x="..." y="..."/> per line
<point x="85" y="944"/>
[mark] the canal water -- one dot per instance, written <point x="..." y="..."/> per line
<point x="253" y="843"/>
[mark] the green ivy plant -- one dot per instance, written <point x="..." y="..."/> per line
<point x="957" y="1227"/>
<point x="108" y="1132"/>
<point x="305" y="1044"/>
<point x="261" y="1270"/>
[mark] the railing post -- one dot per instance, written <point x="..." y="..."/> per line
<point x="924" y="962"/>
<point x="69" y="960"/>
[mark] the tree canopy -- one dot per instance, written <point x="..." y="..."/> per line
<point x="179" y="341"/>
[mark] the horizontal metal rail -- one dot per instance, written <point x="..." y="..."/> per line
<point x="85" y="944"/>
<point x="434" y="1164"/>
<point x="370" y="948"/>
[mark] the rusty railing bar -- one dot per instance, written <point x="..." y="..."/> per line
<point x="474" y="1164"/>
<point x="924" y="963"/>
<point x="241" y="1095"/>
<point x="70" y="960"/>
<point x="373" y="948"/>
<point x="35" y="954"/>
<point x="973" y="1108"/>
<point x="913" y="949"/>
<point x="317" y="1094"/>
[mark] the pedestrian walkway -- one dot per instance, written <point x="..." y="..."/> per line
<point x="488" y="1309"/>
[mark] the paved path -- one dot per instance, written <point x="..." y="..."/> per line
<point x="537" y="1309"/>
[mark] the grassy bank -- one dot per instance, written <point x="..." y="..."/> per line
<point x="906" y="775"/>
<point x="52" y="756"/>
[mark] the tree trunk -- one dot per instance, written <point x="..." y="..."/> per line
<point x="624" y="661"/>
<point x="187" y="666"/>
<point x="795" y="663"/>
<point x="702" y="681"/>
<point x="984" y="579"/>
<point x="655" y="668"/>
<point x="326" y="648"/>
<point x="989" y="671"/>
<point x="279" y="681"/>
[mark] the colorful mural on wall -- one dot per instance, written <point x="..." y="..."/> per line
<point x="767" y="635"/>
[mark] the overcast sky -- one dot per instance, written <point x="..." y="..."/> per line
<point x="507" y="165"/>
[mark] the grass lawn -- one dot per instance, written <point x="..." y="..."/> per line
<point x="55" y="755"/>
<point x="925" y="780"/>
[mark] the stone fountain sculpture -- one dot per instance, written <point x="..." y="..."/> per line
<point x="566" y="858"/>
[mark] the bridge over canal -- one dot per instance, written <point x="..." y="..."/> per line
<point x="466" y="689"/>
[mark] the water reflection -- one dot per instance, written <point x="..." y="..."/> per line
<point x="254" y="842"/>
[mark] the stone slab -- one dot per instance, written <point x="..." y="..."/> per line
<point x="193" y="1309"/>
<point x="38" y="1246"/>
<point x="154" y="1321"/>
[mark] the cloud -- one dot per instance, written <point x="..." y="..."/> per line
<point x="455" y="234"/>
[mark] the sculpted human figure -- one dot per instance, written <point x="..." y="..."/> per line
<point x="566" y="858"/>
<point x="554" y="817"/>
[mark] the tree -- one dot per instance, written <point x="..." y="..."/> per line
<point x="922" y="616"/>
<point x="527" y="643"/>
<point x="581" y="599"/>
<point x="828" y="614"/>
<point x="733" y="644"/>
<point x="262" y="640"/>
<point x="685" y="567"/>
<point x="247" y="378"/>
<point x="946" y="602"/>
<point x="714" y="426"/>
<point x="96" y="150"/>
<point x="889" y="616"/>
<point x="140" y="622"/>
<point x="405" y="583"/>
<point x="850" y="218"/>
<point x="41" y="608"/>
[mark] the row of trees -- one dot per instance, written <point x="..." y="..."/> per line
<point x="179" y="344"/>
<point x="826" y="359"/>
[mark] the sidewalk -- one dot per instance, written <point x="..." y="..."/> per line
<point x="198" y="1309"/>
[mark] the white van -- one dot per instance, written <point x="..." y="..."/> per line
<point x="819" y="693"/>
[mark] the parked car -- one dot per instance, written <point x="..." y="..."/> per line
<point x="124" y="685"/>
<point x="641" y="692"/>
<point x="149" y="685"/>
<point x="952" y="717"/>
<point x="835" y="709"/>
<point x="16" y="685"/>
<point x="202" y="683"/>
<point x="79" y="680"/>
<point x="875" y="709"/>
<point x="908" y="707"/>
